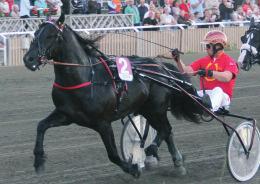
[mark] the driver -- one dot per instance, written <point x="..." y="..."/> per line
<point x="217" y="70"/>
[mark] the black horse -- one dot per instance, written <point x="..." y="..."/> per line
<point x="86" y="93"/>
<point x="249" y="51"/>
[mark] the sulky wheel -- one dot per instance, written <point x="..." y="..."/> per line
<point x="130" y="141"/>
<point x="242" y="166"/>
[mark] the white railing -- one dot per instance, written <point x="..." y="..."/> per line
<point x="162" y="27"/>
<point x="74" y="21"/>
<point x="4" y="49"/>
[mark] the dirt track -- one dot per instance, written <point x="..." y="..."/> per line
<point x="77" y="155"/>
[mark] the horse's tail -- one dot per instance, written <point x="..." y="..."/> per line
<point x="183" y="106"/>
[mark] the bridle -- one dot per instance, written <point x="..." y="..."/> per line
<point x="43" y="53"/>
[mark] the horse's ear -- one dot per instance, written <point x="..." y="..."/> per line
<point x="64" y="10"/>
<point x="61" y="19"/>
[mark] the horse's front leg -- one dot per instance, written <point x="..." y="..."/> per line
<point x="106" y="132"/>
<point x="55" y="119"/>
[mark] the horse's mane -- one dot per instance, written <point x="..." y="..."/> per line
<point x="88" y="45"/>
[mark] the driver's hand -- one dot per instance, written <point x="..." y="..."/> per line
<point x="205" y="73"/>
<point x="176" y="54"/>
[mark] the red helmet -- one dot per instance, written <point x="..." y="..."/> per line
<point x="215" y="37"/>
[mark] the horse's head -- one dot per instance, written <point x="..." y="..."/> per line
<point x="249" y="51"/>
<point x="45" y="44"/>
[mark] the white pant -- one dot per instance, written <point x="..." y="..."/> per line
<point x="218" y="98"/>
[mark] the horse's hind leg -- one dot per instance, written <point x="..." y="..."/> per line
<point x="176" y="155"/>
<point x="164" y="129"/>
<point x="53" y="120"/>
<point x="106" y="132"/>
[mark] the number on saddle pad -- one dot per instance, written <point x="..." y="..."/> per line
<point x="124" y="68"/>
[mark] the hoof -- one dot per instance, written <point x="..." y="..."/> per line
<point x="39" y="164"/>
<point x="181" y="171"/>
<point x="136" y="171"/>
<point x="137" y="174"/>
<point x="39" y="169"/>
<point x="151" y="162"/>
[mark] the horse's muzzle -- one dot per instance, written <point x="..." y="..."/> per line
<point x="31" y="63"/>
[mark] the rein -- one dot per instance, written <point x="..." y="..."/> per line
<point x="52" y="62"/>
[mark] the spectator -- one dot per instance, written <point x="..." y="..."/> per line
<point x="152" y="9"/>
<point x="118" y="5"/>
<point x="40" y="5"/>
<point x="207" y="18"/>
<point x="10" y="3"/>
<point x="215" y="14"/>
<point x="247" y="6"/>
<point x="185" y="6"/>
<point x="4" y="8"/>
<point x="162" y="3"/>
<point x="182" y="20"/>
<point x="92" y="7"/>
<point x="15" y="11"/>
<point x="194" y="18"/>
<point x="158" y="15"/>
<point x="100" y="6"/>
<point x="239" y="15"/>
<point x="32" y="2"/>
<point x="142" y="8"/>
<point x="226" y="10"/>
<point x="25" y="8"/>
<point x="168" y="4"/>
<point x="150" y="20"/>
<point x="237" y="3"/>
<point x="54" y="6"/>
<point x="132" y="9"/>
<point x="166" y="18"/>
<point x="197" y="6"/>
<point x="111" y="7"/>
<point x="256" y="13"/>
<point x="209" y="4"/>
<point x="154" y="2"/>
<point x="175" y="10"/>
<point x="84" y="6"/>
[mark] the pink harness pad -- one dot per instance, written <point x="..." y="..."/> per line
<point x="124" y="68"/>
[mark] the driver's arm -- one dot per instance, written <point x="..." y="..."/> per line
<point x="225" y="76"/>
<point x="184" y="68"/>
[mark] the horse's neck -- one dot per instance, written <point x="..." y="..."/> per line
<point x="67" y="74"/>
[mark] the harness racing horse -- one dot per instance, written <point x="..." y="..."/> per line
<point x="249" y="51"/>
<point x="84" y="92"/>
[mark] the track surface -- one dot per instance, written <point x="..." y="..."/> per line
<point x="77" y="155"/>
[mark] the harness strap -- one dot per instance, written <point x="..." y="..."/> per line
<point x="85" y="84"/>
<point x="109" y="72"/>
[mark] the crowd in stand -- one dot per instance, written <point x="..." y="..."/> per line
<point x="146" y="12"/>
<point x="28" y="8"/>
<point x="165" y="12"/>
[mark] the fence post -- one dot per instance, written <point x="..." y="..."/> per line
<point x="4" y="49"/>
